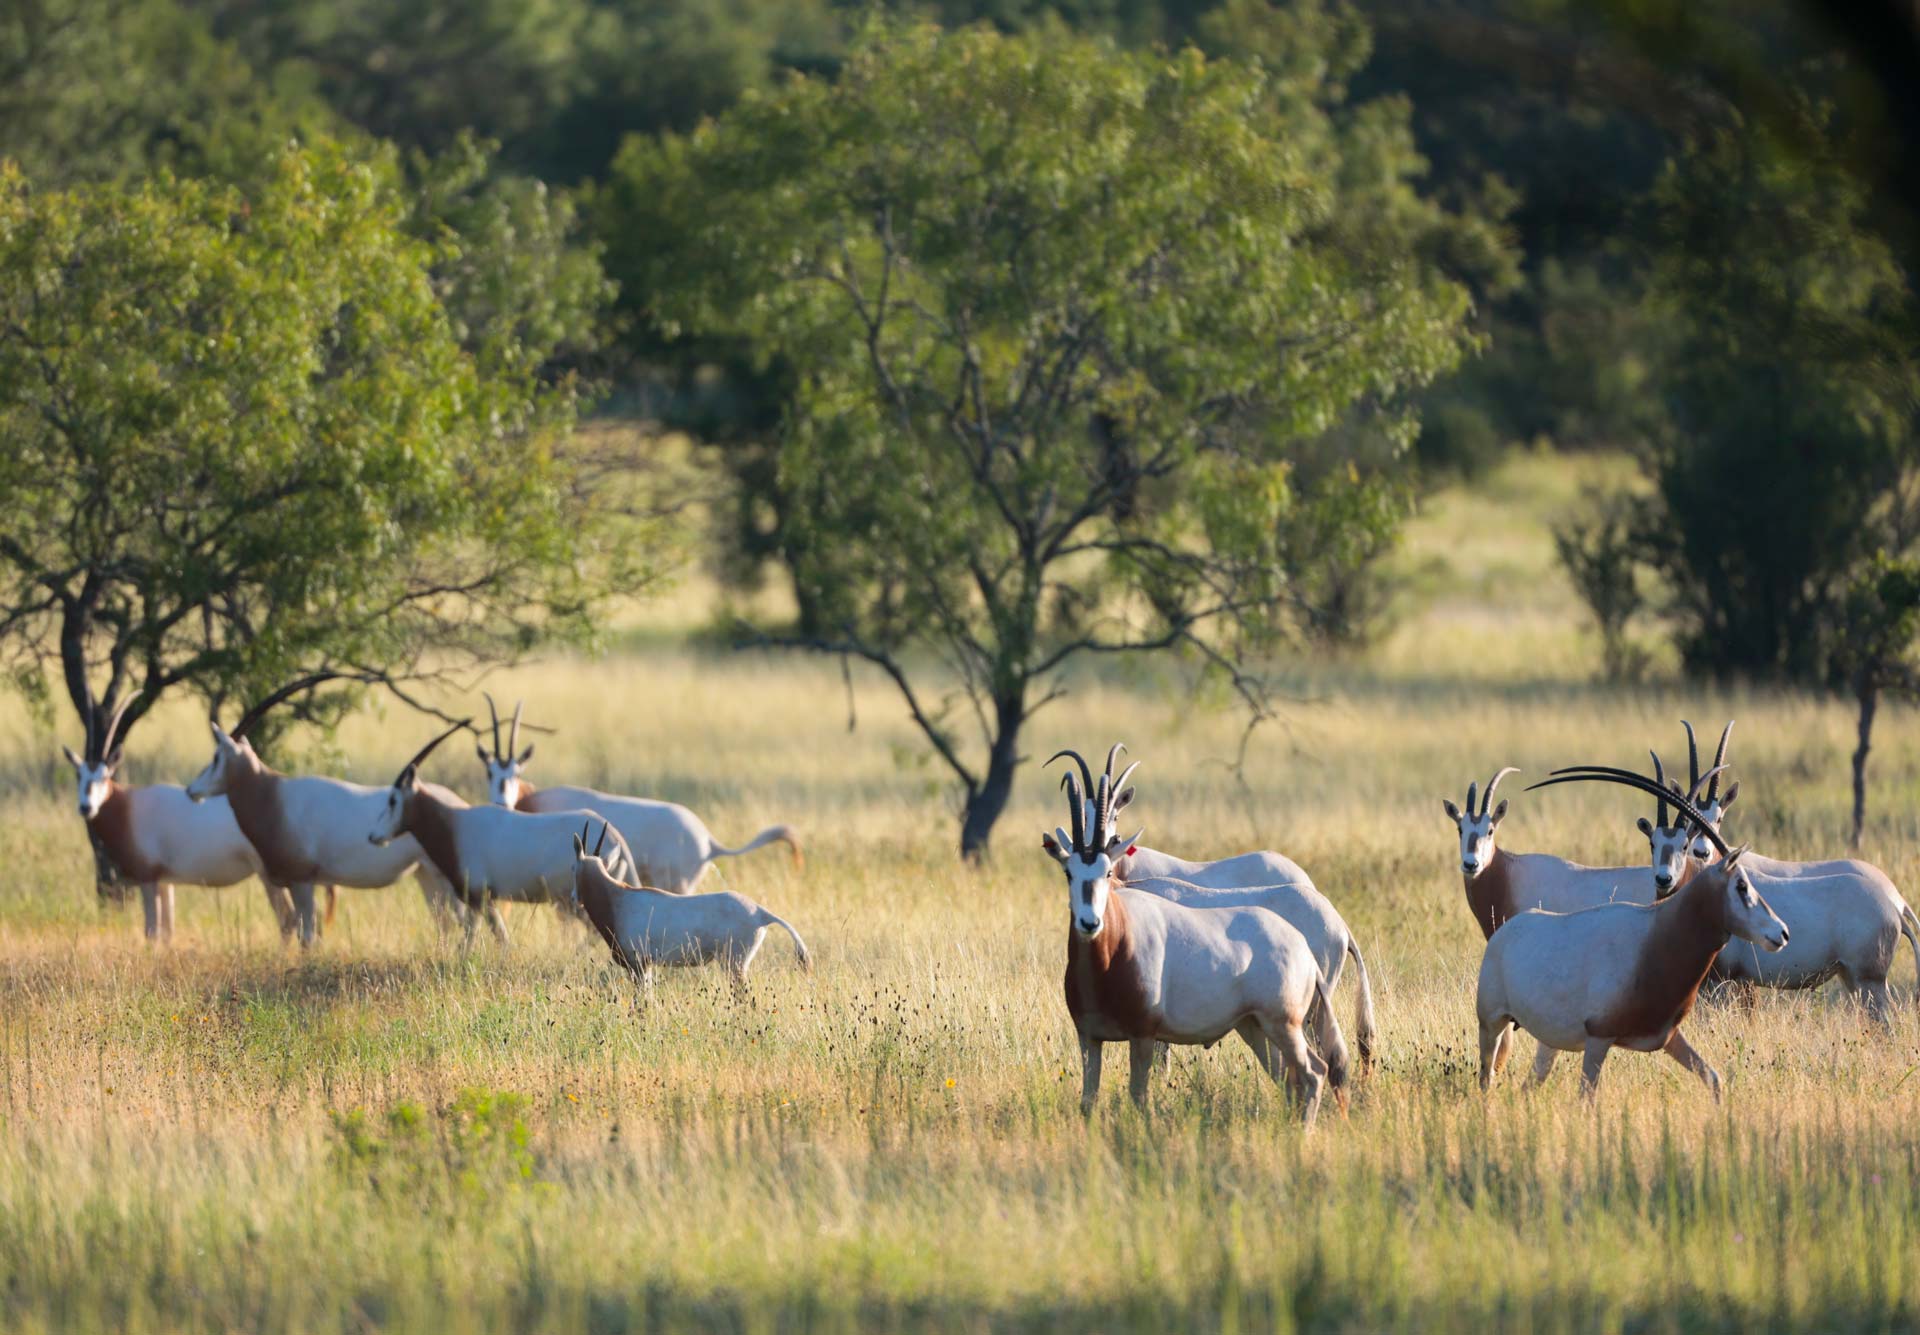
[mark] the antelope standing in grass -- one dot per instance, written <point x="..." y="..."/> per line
<point x="1847" y="915"/>
<point x="485" y="853"/>
<point x="1618" y="975"/>
<point x="157" y="837"/>
<point x="309" y="830"/>
<point x="671" y="846"/>
<point x="1144" y="970"/>
<point x="1263" y="880"/>
<point x="646" y="928"/>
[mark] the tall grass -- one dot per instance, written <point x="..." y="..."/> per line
<point x="386" y="1134"/>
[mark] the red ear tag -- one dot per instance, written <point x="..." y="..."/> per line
<point x="1131" y="850"/>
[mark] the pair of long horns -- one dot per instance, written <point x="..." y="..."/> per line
<point x="260" y="709"/>
<point x="96" y="754"/>
<point x="1628" y="779"/>
<point x="420" y="756"/>
<point x="513" y="733"/>
<point x="1106" y="797"/>
<point x="586" y="828"/>
<point x="1673" y="785"/>
<point x="1493" y="783"/>
<point x="1694" y="776"/>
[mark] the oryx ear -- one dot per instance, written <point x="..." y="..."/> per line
<point x="1646" y="826"/>
<point x="1120" y="802"/>
<point x="481" y="751"/>
<point x="72" y="759"/>
<point x="1057" y="845"/>
<point x="409" y="777"/>
<point x="113" y="760"/>
<point x="1500" y="812"/>
<point x="525" y="755"/>
<point x="1734" y="857"/>
<point x="1733" y="791"/>
<point x="1133" y="842"/>
<point x="1452" y="810"/>
<point x="579" y="849"/>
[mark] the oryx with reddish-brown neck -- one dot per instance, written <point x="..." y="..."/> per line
<point x="1263" y="880"/>
<point x="312" y="831"/>
<point x="1145" y="970"/>
<point x="485" y="853"/>
<point x="1847" y="916"/>
<point x="156" y="836"/>
<point x="1618" y="975"/>
<point x="671" y="846"/>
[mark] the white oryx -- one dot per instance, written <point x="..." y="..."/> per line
<point x="671" y="846"/>
<point x="1144" y="970"/>
<point x="308" y="830"/>
<point x="1262" y="880"/>
<point x="645" y="928"/>
<point x="485" y="853"/>
<point x="157" y="837"/>
<point x="1847" y="915"/>
<point x="1618" y="975"/>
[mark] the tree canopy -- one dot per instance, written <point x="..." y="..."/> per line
<point x="240" y="436"/>
<point x="1067" y="324"/>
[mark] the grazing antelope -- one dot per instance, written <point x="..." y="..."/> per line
<point x="1263" y="880"/>
<point x="485" y="853"/>
<point x="1847" y="916"/>
<point x="1144" y="970"/>
<point x="645" y="927"/>
<point x="1618" y="975"/>
<point x="309" y="830"/>
<point x="671" y="846"/>
<point x="157" y="838"/>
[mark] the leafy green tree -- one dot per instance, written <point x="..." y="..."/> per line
<point x="1880" y="621"/>
<point x="1789" y="392"/>
<point x="1062" y="321"/>
<point x="239" y="437"/>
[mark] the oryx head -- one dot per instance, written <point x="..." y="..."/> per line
<point x="1668" y="843"/>
<point x="1087" y="848"/>
<point x="394" y="817"/>
<point x="503" y="766"/>
<point x="1713" y="804"/>
<point x="232" y="754"/>
<point x="1477" y="827"/>
<point x="95" y="769"/>
<point x="1736" y="903"/>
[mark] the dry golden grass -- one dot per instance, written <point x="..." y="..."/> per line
<point x="894" y="1141"/>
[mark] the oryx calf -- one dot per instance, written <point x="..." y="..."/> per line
<point x="644" y="927"/>
<point x="1618" y="975"/>
<point x="1144" y="970"/>
<point x="485" y="853"/>
<point x="671" y="846"/>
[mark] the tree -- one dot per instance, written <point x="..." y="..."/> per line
<point x="1062" y="322"/>
<point x="1881" y="621"/>
<point x="239" y="438"/>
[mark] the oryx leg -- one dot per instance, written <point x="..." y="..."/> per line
<point x="302" y="892"/>
<point x="1543" y="1059"/>
<point x="1877" y="998"/>
<point x="1682" y="1051"/>
<point x="1594" y="1059"/>
<point x="1305" y="1071"/>
<point x="1492" y="1035"/>
<point x="282" y="905"/>
<point x="150" y="908"/>
<point x="1140" y="1072"/>
<point x="166" y="912"/>
<point x="1091" y="1051"/>
<point x="1504" y="1048"/>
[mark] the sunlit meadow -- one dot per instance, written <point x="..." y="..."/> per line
<point x="388" y="1134"/>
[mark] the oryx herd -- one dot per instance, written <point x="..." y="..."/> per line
<point x="1160" y="950"/>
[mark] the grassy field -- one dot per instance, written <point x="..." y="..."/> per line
<point x="384" y="1134"/>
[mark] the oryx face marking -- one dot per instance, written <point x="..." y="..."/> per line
<point x="1670" y="847"/>
<point x="1090" y="883"/>
<point x="95" y="782"/>
<point x="217" y="777"/>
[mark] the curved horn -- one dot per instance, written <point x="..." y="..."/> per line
<point x="1628" y="779"/>
<point x="1076" y="815"/>
<point x="1720" y="761"/>
<point x="287" y="692"/>
<point x="1493" y="783"/>
<point x="1473" y="799"/>
<point x="493" y="714"/>
<point x="513" y="735"/>
<point x="1086" y="770"/>
<point x="1693" y="758"/>
<point x="601" y="842"/>
<point x="1660" y="780"/>
<point x="113" y="724"/>
<point x="1112" y="756"/>
<point x="427" y="750"/>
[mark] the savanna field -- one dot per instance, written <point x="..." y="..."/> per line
<point x="389" y="1134"/>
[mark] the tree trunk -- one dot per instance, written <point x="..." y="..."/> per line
<point x="1868" y="694"/>
<point x="989" y="798"/>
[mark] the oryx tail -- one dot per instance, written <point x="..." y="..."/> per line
<point x="799" y="946"/>
<point x="1364" y="1032"/>
<point x="1327" y="1037"/>
<point x="773" y="834"/>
